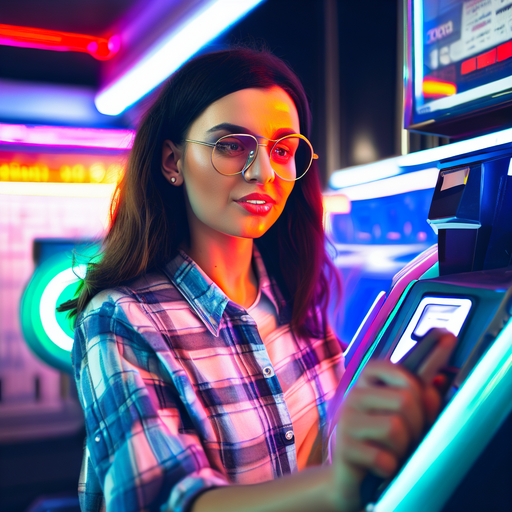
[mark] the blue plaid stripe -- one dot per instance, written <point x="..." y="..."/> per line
<point x="170" y="377"/>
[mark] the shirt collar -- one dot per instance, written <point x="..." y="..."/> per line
<point x="205" y="297"/>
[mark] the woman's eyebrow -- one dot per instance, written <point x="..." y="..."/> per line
<point x="235" y="128"/>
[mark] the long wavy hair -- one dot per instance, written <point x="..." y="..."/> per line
<point x="148" y="216"/>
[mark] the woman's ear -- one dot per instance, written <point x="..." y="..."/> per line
<point x="172" y="163"/>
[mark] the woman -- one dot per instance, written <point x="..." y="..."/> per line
<point x="202" y="354"/>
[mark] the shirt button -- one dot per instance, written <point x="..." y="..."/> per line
<point x="97" y="439"/>
<point x="268" y="371"/>
<point x="289" y="435"/>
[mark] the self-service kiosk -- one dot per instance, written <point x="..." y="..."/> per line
<point x="464" y="284"/>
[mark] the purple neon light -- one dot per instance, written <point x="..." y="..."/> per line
<point x="39" y="135"/>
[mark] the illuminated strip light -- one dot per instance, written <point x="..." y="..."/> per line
<point x="457" y="438"/>
<point x="457" y="148"/>
<point x="420" y="180"/>
<point x="48" y="305"/>
<point x="98" y="190"/>
<point x="365" y="173"/>
<point x="39" y="135"/>
<point x="398" y="165"/>
<point x="170" y="53"/>
<point x="365" y="324"/>
<point x="26" y="37"/>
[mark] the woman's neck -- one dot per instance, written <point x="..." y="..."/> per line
<point x="226" y="260"/>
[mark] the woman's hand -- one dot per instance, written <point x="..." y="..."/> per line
<point x="383" y="414"/>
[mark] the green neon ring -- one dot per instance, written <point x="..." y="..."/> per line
<point x="33" y="327"/>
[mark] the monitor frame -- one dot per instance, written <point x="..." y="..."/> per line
<point x="477" y="117"/>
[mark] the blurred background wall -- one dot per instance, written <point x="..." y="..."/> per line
<point x="346" y="52"/>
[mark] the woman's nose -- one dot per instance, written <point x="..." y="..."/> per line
<point x="260" y="171"/>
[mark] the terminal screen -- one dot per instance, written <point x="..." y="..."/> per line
<point x="441" y="312"/>
<point x="463" y="51"/>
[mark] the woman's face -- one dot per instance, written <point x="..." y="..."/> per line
<point x="218" y="202"/>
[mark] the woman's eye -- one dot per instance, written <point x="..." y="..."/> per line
<point x="281" y="153"/>
<point x="228" y="148"/>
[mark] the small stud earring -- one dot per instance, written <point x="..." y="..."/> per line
<point x="173" y="180"/>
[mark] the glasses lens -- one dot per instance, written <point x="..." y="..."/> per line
<point x="234" y="153"/>
<point x="291" y="157"/>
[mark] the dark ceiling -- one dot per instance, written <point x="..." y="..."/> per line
<point x="91" y="17"/>
<point x="293" y="29"/>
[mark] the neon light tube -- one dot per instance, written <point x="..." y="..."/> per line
<point x="39" y="135"/>
<point x="27" y="37"/>
<point x="419" y="180"/>
<point x="170" y="53"/>
<point x="457" y="148"/>
<point x="365" y="173"/>
<point x="360" y="174"/>
<point x="15" y="188"/>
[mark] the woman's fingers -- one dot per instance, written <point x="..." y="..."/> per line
<point x="384" y="373"/>
<point x="438" y="357"/>
<point x="432" y="403"/>
<point x="368" y="457"/>
<point x="388" y="431"/>
<point x="401" y="402"/>
<point x="382" y="415"/>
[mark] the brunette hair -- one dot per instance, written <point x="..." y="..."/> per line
<point x="148" y="217"/>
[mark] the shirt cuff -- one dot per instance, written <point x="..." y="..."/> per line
<point x="186" y="491"/>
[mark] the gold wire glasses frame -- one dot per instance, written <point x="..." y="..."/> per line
<point x="251" y="156"/>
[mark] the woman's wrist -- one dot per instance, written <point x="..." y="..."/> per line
<point x="311" y="489"/>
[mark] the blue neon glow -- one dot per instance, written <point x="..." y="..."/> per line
<point x="41" y="103"/>
<point x="170" y="52"/>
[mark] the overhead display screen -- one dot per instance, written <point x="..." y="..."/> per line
<point x="448" y="313"/>
<point x="462" y="52"/>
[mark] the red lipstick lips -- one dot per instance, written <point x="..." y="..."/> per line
<point x="257" y="204"/>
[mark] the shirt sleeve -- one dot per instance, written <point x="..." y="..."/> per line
<point x="140" y="437"/>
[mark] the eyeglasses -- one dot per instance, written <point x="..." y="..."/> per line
<point x="290" y="156"/>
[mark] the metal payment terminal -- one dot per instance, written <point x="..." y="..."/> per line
<point x="463" y="285"/>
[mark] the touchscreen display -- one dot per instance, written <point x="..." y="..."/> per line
<point x="441" y="312"/>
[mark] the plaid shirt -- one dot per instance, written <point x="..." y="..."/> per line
<point x="179" y="392"/>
